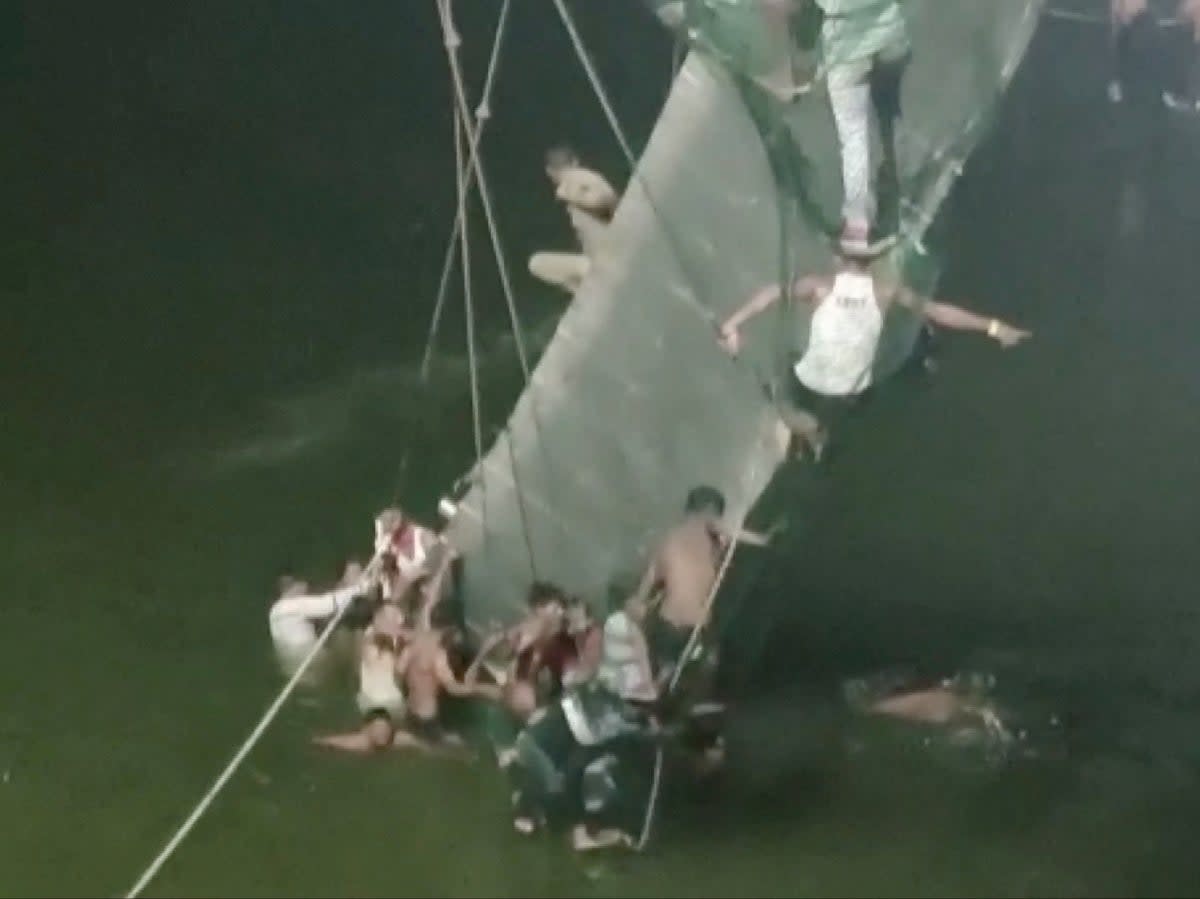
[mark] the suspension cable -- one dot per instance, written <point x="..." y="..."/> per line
<point x="462" y="120"/>
<point x="464" y="245"/>
<point x="684" y="655"/>
<point x="483" y="114"/>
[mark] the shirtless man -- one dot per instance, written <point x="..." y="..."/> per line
<point x="848" y="309"/>
<point x="424" y="669"/>
<point x="684" y="567"/>
<point x="590" y="200"/>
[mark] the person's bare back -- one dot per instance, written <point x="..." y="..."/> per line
<point x="687" y="569"/>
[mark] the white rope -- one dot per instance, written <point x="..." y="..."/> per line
<point x="485" y="195"/>
<point x="250" y="742"/>
<point x="483" y="113"/>
<point x="469" y="304"/>
<point x="689" y="647"/>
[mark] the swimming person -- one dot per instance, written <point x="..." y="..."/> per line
<point x="848" y="310"/>
<point x="296" y="617"/>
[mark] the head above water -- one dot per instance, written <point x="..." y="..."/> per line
<point x="705" y="500"/>
<point x="559" y="159"/>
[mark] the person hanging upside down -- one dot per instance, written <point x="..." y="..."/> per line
<point x="848" y="309"/>
<point x="590" y="201"/>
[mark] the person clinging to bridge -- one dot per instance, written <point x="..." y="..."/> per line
<point x="681" y="577"/>
<point x="864" y="51"/>
<point x="1186" y="96"/>
<point x="847" y="318"/>
<point x="590" y="201"/>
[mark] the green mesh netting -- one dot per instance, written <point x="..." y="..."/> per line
<point x="632" y="402"/>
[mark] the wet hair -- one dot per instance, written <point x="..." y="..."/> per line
<point x="704" y="499"/>
<point x="560" y="157"/>
<point x="543" y="593"/>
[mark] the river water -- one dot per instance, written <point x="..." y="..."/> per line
<point x="227" y="234"/>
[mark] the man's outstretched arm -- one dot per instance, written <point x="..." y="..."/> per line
<point x="956" y="318"/>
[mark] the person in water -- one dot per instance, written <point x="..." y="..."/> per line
<point x="683" y="574"/>
<point x="297" y="615"/>
<point x="848" y="310"/>
<point x="590" y="201"/>
<point x="379" y="653"/>
<point x="423" y="667"/>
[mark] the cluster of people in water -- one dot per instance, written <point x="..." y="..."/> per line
<point x="1144" y="68"/>
<point x="578" y="707"/>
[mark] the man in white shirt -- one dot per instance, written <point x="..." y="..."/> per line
<point x="848" y="309"/>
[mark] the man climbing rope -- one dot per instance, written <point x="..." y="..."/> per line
<point x="847" y="321"/>
<point x="590" y="201"/>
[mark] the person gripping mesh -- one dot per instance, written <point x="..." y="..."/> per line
<point x="590" y="201"/>
<point x="836" y="367"/>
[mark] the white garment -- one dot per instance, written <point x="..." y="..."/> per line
<point x="586" y="189"/>
<point x="377" y="687"/>
<point x="842" y="338"/>
<point x="851" y="103"/>
<point x="621" y="665"/>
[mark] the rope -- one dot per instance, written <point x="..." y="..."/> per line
<point x="483" y="114"/>
<point x="1088" y="18"/>
<point x="452" y="42"/>
<point x="689" y="647"/>
<point x="468" y="301"/>
<point x="250" y="742"/>
<point x="601" y="94"/>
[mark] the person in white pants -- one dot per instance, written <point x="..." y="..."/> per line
<point x="865" y="47"/>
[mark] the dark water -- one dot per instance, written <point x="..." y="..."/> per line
<point x="226" y="230"/>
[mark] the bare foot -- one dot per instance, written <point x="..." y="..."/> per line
<point x="610" y="838"/>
